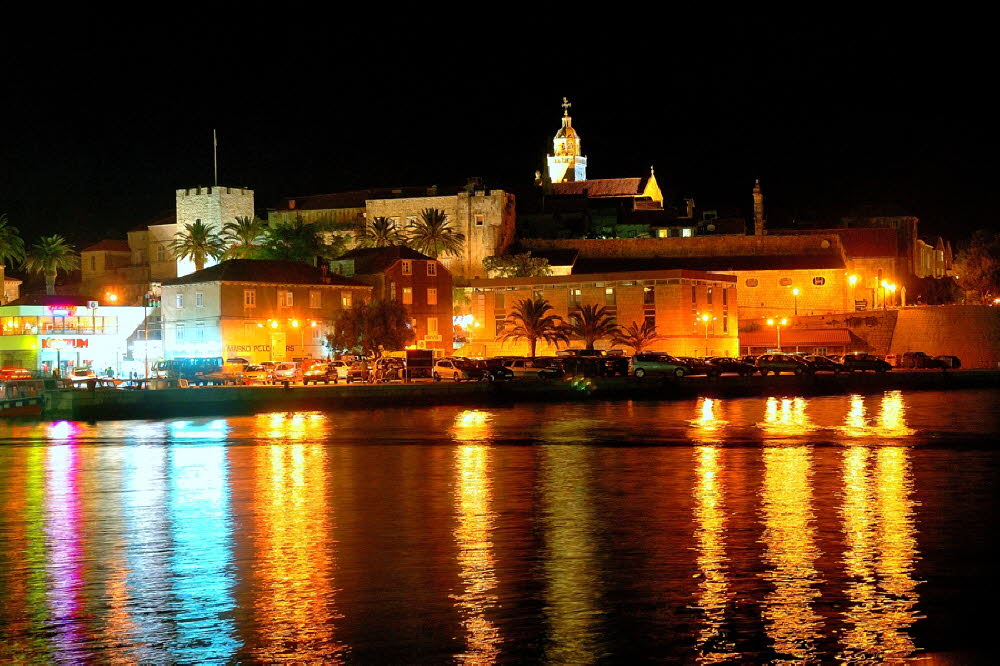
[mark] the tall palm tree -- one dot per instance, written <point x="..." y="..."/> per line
<point x="198" y="242"/>
<point x="637" y="337"/>
<point x="434" y="236"/>
<point x="48" y="256"/>
<point x="592" y="323"/>
<point x="243" y="235"/>
<point x="531" y="323"/>
<point x="302" y="241"/>
<point x="381" y="232"/>
<point x="11" y="243"/>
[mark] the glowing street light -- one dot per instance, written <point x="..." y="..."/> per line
<point x="705" y="318"/>
<point x="887" y="287"/>
<point x="777" y="323"/>
<point x="795" y="294"/>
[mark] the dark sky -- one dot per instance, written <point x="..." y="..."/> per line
<point x="103" y="122"/>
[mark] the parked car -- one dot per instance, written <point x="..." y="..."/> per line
<point x="642" y="365"/>
<point x="494" y="370"/>
<point x="823" y="364"/>
<point x="287" y="371"/>
<point x="77" y="374"/>
<point x="749" y="359"/>
<point x="14" y="373"/>
<point x="615" y="365"/>
<point x="699" y="366"/>
<point x="358" y="371"/>
<point x="341" y="367"/>
<point x="778" y="363"/>
<point x="892" y="359"/>
<point x="919" y="359"/>
<point x="388" y="368"/>
<point x="457" y="370"/>
<point x="730" y="364"/>
<point x="553" y="371"/>
<point x="949" y="361"/>
<point x="257" y="374"/>
<point x="860" y="362"/>
<point x="319" y="372"/>
<point x="527" y="367"/>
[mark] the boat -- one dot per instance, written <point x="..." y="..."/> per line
<point x="21" y="397"/>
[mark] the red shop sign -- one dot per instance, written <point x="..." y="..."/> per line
<point x="76" y="343"/>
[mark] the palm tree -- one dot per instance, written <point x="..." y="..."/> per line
<point x="198" y="242"/>
<point x="592" y="323"/>
<point x="302" y="241"/>
<point x="382" y="232"/>
<point x="434" y="236"/>
<point x="243" y="235"/>
<point x="637" y="337"/>
<point x="531" y="323"/>
<point x="11" y="243"/>
<point x="48" y="256"/>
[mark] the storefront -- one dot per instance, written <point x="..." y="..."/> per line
<point x="66" y="336"/>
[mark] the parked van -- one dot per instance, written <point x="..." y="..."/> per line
<point x="642" y="365"/>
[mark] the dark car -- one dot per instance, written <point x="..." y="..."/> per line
<point x="824" y="364"/>
<point x="615" y="365"/>
<point x="949" y="361"/>
<point x="358" y="371"/>
<point x="778" y="363"/>
<point x="699" y="366"/>
<point x="647" y="363"/>
<point x="319" y="372"/>
<point x="860" y="362"/>
<point x="920" y="360"/>
<point x="735" y="365"/>
<point x="457" y="369"/>
<point x="494" y="370"/>
<point x="388" y="369"/>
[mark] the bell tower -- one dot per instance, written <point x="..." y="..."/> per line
<point x="758" y="210"/>
<point x="566" y="163"/>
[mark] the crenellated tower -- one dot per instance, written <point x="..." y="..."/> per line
<point x="566" y="163"/>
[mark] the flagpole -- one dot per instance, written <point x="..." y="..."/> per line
<point x="215" y="156"/>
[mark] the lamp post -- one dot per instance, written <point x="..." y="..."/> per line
<point x="853" y="281"/>
<point x="795" y="295"/>
<point x="705" y="318"/>
<point x="887" y="287"/>
<point x="777" y="323"/>
<point x="57" y="344"/>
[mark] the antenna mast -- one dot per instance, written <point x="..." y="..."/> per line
<point x="215" y="157"/>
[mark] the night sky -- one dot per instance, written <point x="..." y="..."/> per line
<point x="103" y="122"/>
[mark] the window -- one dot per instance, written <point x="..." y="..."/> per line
<point x="480" y="220"/>
<point x="407" y="267"/>
<point x="609" y="296"/>
<point x="785" y="282"/>
<point x="432" y="268"/>
<point x="180" y="301"/>
<point x="694" y="295"/>
<point x="752" y="282"/>
<point x="536" y="295"/>
<point x="648" y="295"/>
<point x="411" y="221"/>
<point x="285" y="299"/>
<point x="249" y="298"/>
<point x="687" y="233"/>
<point x="649" y="319"/>
<point x="180" y="331"/>
<point x="392" y="290"/>
<point x="199" y="299"/>
<point x="498" y="301"/>
<point x="315" y="298"/>
<point x="432" y="296"/>
<point x="93" y="263"/>
<point x="708" y="296"/>
<point x="412" y="323"/>
<point x="407" y="296"/>
<point x="819" y="281"/>
<point x="725" y="322"/>
<point x="161" y="253"/>
<point x="394" y="223"/>
<point x="725" y="297"/>
<point x="432" y="326"/>
<point x="575" y="298"/>
<point x="346" y="299"/>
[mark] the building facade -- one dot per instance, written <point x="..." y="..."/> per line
<point x="420" y="283"/>
<point x="695" y="312"/>
<point x="258" y="310"/>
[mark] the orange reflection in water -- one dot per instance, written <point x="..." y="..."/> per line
<point x="710" y="532"/>
<point x="786" y="417"/>
<point x="891" y="421"/>
<point x="472" y="425"/>
<point x="708" y="425"/>
<point x="294" y="602"/>
<point x="880" y="556"/>
<point x="790" y="552"/>
<point x="477" y="566"/>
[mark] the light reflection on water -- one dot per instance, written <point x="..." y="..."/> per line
<point x="224" y="539"/>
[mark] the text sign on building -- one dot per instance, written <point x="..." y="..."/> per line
<point x="64" y="343"/>
<point x="62" y="310"/>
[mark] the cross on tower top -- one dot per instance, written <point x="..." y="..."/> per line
<point x="565" y="106"/>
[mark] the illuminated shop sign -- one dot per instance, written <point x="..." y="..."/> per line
<point x="65" y="343"/>
<point x="62" y="310"/>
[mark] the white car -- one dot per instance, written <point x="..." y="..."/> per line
<point x="287" y="371"/>
<point x="341" y="368"/>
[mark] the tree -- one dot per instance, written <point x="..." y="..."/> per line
<point x="434" y="236"/>
<point x="978" y="266"/>
<point x="243" y="235"/>
<point x="531" y="323"/>
<point x="381" y="232"/>
<point x="301" y="241"/>
<point x="516" y="265"/>
<point x="11" y="243"/>
<point x="198" y="242"/>
<point x="637" y="337"/>
<point x="592" y="323"/>
<point x="48" y="256"/>
<point x="372" y="328"/>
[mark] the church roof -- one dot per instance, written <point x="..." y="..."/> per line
<point x="602" y="187"/>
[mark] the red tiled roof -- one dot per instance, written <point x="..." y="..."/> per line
<point x="602" y="187"/>
<point x="109" y="245"/>
<point x="766" y="336"/>
<point x="648" y="204"/>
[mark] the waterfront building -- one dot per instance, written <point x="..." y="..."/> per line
<point x="11" y="289"/>
<point x="42" y="333"/>
<point x="422" y="284"/>
<point x="695" y="311"/>
<point x="255" y="309"/>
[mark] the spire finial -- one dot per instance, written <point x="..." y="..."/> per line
<point x="652" y="171"/>
<point x="565" y="106"/>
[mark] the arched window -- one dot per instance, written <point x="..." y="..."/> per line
<point x="819" y="281"/>
<point x="752" y="282"/>
<point x="785" y="282"/>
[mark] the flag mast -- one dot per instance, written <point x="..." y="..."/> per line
<point x="215" y="157"/>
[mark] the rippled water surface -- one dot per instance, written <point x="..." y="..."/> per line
<point x="843" y="528"/>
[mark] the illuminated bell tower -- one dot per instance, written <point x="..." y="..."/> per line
<point x="566" y="164"/>
<point x="758" y="210"/>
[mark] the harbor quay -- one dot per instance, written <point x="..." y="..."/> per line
<point x="101" y="404"/>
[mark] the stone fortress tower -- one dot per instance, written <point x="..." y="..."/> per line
<point x="214" y="207"/>
<point x="566" y="164"/>
<point x="759" y="220"/>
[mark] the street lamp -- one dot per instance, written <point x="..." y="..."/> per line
<point x="777" y="323"/>
<point x="853" y="281"/>
<point x="58" y="344"/>
<point x="705" y="318"/>
<point x="887" y="287"/>
<point x="795" y="295"/>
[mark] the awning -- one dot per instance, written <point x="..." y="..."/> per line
<point x="767" y="337"/>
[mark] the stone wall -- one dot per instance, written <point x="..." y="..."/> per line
<point x="971" y="332"/>
<point x="696" y="246"/>
<point x="214" y="206"/>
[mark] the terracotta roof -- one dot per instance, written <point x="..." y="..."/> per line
<point x="263" y="271"/>
<point x="602" y="187"/>
<point x="109" y="245"/>
<point x="648" y="204"/>
<point x="791" y="337"/>
<point x="370" y="260"/>
<point x="721" y="263"/>
<point x="873" y="242"/>
<point x="357" y="198"/>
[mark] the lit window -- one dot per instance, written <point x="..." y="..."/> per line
<point x="708" y="296"/>
<point x="575" y="297"/>
<point x="819" y="281"/>
<point x="609" y="296"/>
<point x="432" y="296"/>
<point x="346" y="299"/>
<point x="662" y="233"/>
<point x="315" y="298"/>
<point x="752" y="282"/>
<point x="199" y="299"/>
<point x="180" y="301"/>
<point x="285" y="299"/>
<point x="432" y="326"/>
<point x="407" y="296"/>
<point x="249" y="298"/>
<point x="480" y="220"/>
<point x="687" y="233"/>
<point x="407" y="267"/>
<point x="432" y="268"/>
<point x="648" y="295"/>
